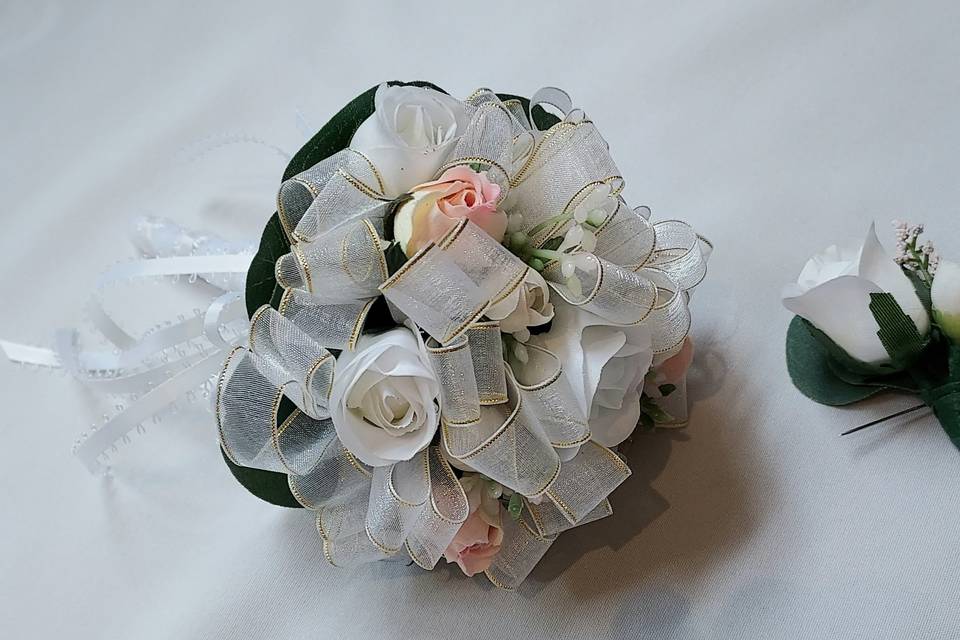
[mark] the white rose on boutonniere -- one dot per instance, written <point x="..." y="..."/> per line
<point x="605" y="365"/>
<point x="409" y="134"/>
<point x="384" y="401"/>
<point x="527" y="306"/>
<point x="833" y="293"/>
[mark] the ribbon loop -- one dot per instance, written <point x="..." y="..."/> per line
<point x="446" y="286"/>
<point x="314" y="201"/>
<point x="346" y="264"/>
<point x="618" y="295"/>
<point x="678" y="253"/>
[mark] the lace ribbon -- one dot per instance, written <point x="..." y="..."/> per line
<point x="147" y="377"/>
<point x="515" y="424"/>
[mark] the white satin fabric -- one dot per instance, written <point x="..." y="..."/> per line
<point x="774" y="128"/>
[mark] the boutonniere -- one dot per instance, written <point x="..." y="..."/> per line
<point x="867" y="323"/>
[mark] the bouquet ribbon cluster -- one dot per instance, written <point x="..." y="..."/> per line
<point x="378" y="375"/>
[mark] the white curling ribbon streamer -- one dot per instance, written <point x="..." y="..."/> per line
<point x="145" y="377"/>
<point x="515" y="424"/>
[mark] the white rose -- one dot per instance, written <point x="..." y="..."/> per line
<point x="409" y="134"/>
<point x="833" y="293"/>
<point x="527" y="306"/>
<point x="946" y="298"/>
<point x="605" y="365"/>
<point x="384" y="398"/>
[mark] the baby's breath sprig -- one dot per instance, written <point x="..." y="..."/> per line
<point x="921" y="260"/>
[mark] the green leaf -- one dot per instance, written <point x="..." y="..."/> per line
<point x="262" y="287"/>
<point x="542" y="118"/>
<point x="808" y="363"/>
<point x="395" y="258"/>
<point x="844" y="359"/>
<point x="648" y="406"/>
<point x="667" y="389"/>
<point x="898" y="333"/>
<point x="922" y="289"/>
<point x="944" y="398"/>
<point x="269" y="486"/>
<point x="646" y="422"/>
<point x="553" y="243"/>
<point x="901" y="381"/>
<point x="379" y="318"/>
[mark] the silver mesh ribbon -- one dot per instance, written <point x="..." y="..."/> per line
<point x="516" y="424"/>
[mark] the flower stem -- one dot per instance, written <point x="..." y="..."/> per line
<point x="546" y="254"/>
<point x="559" y="218"/>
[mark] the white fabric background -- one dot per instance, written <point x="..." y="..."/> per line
<point x="774" y="127"/>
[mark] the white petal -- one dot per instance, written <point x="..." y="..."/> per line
<point x="388" y="363"/>
<point x="409" y="135"/>
<point x="611" y="427"/>
<point x="832" y="262"/>
<point x="840" y="308"/>
<point x="583" y="354"/>
<point x="878" y="267"/>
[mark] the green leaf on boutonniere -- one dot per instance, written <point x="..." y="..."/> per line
<point x="646" y="423"/>
<point x="809" y="366"/>
<point x="922" y="289"/>
<point x="840" y="358"/>
<point x="898" y="333"/>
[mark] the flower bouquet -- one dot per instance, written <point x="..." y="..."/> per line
<point x="455" y="319"/>
<point x="867" y="323"/>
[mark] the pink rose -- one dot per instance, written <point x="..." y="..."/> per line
<point x="436" y="207"/>
<point x="674" y="368"/>
<point x="481" y="535"/>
